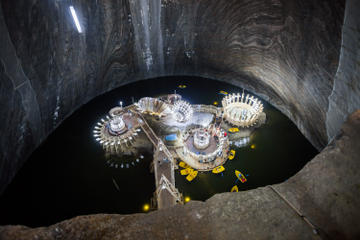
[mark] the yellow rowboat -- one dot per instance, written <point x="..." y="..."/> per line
<point x="233" y="130"/>
<point x="192" y="175"/>
<point x="232" y="154"/>
<point x="240" y="176"/>
<point x="182" y="86"/>
<point x="186" y="171"/>
<point x="183" y="165"/>
<point x="223" y="92"/>
<point x="218" y="169"/>
<point x="234" y="189"/>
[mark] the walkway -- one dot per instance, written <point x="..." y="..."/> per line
<point x="166" y="193"/>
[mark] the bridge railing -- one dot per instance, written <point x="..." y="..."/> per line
<point x="207" y="108"/>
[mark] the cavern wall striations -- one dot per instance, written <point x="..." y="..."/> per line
<point x="345" y="95"/>
<point x="284" y="50"/>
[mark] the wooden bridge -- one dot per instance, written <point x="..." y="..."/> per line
<point x="166" y="193"/>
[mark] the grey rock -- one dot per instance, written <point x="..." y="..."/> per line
<point x="344" y="98"/>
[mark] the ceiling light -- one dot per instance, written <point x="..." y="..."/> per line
<point x="76" y="20"/>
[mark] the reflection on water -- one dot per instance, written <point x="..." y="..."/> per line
<point x="242" y="142"/>
<point x="69" y="174"/>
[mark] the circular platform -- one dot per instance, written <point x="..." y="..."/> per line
<point x="118" y="132"/>
<point x="240" y="110"/>
<point x="117" y="126"/>
<point x="201" y="139"/>
<point x="215" y="154"/>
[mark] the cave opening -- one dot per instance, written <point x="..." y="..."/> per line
<point x="69" y="175"/>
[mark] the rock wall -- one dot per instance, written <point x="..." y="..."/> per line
<point x="48" y="70"/>
<point x="345" y="95"/>
<point x="284" y="50"/>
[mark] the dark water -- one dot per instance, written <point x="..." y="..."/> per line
<point x="67" y="176"/>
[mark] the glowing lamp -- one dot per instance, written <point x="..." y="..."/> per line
<point x="146" y="207"/>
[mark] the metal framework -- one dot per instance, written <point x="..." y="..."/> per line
<point x="153" y="106"/>
<point x="165" y="184"/>
<point x="241" y="110"/>
<point x="183" y="111"/>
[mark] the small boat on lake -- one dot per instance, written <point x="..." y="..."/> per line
<point x="183" y="165"/>
<point x="234" y="189"/>
<point x="240" y="176"/>
<point x="218" y="169"/>
<point x="232" y="154"/>
<point x="192" y="175"/>
<point x="233" y="130"/>
<point x="186" y="171"/>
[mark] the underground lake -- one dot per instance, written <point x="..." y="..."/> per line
<point x="69" y="174"/>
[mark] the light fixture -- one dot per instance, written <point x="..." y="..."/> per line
<point x="76" y="20"/>
<point x="146" y="207"/>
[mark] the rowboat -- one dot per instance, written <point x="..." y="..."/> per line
<point x="192" y="175"/>
<point x="186" y="171"/>
<point x="183" y="165"/>
<point x="218" y="169"/>
<point x="223" y="92"/>
<point x="233" y="130"/>
<point x="240" y="176"/>
<point x="235" y="189"/>
<point x="232" y="154"/>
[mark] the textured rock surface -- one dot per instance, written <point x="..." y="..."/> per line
<point x="284" y="50"/>
<point x="320" y="193"/>
<point x="345" y="96"/>
<point x="327" y="189"/>
<point x="20" y="121"/>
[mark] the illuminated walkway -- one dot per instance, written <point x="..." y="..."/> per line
<point x="166" y="193"/>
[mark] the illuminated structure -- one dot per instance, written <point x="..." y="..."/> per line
<point x="153" y="106"/>
<point x="204" y="149"/>
<point x="240" y="110"/>
<point x="182" y="111"/>
<point x="204" y="143"/>
<point x="117" y="126"/>
<point x="116" y="111"/>
<point x="201" y="139"/>
<point x="118" y="130"/>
